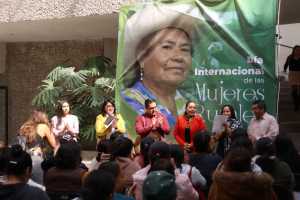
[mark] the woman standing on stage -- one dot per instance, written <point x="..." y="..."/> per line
<point x="187" y="125"/>
<point x="64" y="123"/>
<point x="108" y="108"/>
<point x="293" y="61"/>
<point x="224" y="137"/>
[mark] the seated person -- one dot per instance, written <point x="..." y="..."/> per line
<point x="265" y="158"/>
<point x="66" y="176"/>
<point x="103" y="147"/>
<point x="237" y="181"/>
<point x="98" y="185"/>
<point x="121" y="152"/>
<point x="204" y="159"/>
<point x="286" y="152"/>
<point x="18" y="171"/>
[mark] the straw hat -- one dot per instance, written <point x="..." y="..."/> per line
<point x="152" y="19"/>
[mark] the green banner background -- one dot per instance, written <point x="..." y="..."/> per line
<point x="233" y="64"/>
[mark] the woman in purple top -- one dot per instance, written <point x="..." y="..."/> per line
<point x="64" y="123"/>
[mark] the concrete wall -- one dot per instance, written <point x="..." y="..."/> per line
<point x="28" y="10"/>
<point x="29" y="63"/>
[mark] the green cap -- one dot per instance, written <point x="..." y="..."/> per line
<point x="159" y="185"/>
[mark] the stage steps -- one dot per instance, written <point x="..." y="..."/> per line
<point x="288" y="118"/>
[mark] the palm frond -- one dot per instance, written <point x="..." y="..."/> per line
<point x="55" y="74"/>
<point x="92" y="96"/>
<point x="71" y="79"/>
<point x="98" y="62"/>
<point x="107" y="83"/>
<point x="88" y="132"/>
<point x="48" y="95"/>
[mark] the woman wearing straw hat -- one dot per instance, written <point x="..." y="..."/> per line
<point x="158" y="48"/>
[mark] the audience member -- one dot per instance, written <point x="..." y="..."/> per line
<point x="155" y="136"/>
<point x="178" y="154"/>
<point x="66" y="176"/>
<point x="151" y="121"/>
<point x="98" y="185"/>
<point x="116" y="171"/>
<point x="115" y="135"/>
<point x="239" y="132"/>
<point x="160" y="185"/>
<point x="36" y="130"/>
<point x="286" y="151"/>
<point x="121" y="152"/>
<point x="18" y="170"/>
<point x="143" y="159"/>
<point x="103" y="147"/>
<point x="265" y="158"/>
<point x="161" y="150"/>
<point x="204" y="159"/>
<point x="237" y="180"/>
<point x="244" y="143"/>
<point x="263" y="124"/>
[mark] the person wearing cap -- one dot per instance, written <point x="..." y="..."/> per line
<point x="151" y="121"/>
<point x="158" y="48"/>
<point x="160" y="185"/>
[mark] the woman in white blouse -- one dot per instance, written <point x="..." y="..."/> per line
<point x="64" y="123"/>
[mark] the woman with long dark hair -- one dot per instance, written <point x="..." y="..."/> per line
<point x="224" y="137"/>
<point x="286" y="151"/>
<point x="19" y="171"/>
<point x="187" y="125"/>
<point x="64" y="123"/>
<point x="103" y="147"/>
<point x="104" y="132"/>
<point x="293" y="61"/>
<point x="265" y="158"/>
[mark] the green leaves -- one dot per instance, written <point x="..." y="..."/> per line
<point x="86" y="89"/>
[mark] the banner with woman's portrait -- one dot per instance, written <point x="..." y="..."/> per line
<point x="211" y="52"/>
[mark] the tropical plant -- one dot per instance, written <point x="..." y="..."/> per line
<point x="86" y="89"/>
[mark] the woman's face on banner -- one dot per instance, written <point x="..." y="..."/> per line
<point x="169" y="58"/>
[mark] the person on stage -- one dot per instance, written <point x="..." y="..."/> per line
<point x="293" y="61"/>
<point x="151" y="121"/>
<point x="104" y="132"/>
<point x="64" y="123"/>
<point x="224" y="137"/>
<point x="187" y="125"/>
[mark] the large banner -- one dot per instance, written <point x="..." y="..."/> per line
<point x="211" y="52"/>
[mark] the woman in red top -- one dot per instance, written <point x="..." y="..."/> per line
<point x="187" y="125"/>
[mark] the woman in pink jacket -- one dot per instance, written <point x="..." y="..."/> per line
<point x="160" y="150"/>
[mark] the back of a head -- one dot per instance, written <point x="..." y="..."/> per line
<point x="239" y="132"/>
<point x="111" y="168"/>
<point x="284" y="148"/>
<point x="238" y="160"/>
<point x="263" y="146"/>
<point x="115" y="135"/>
<point x="4" y="158"/>
<point x="242" y="142"/>
<point x="177" y="154"/>
<point x="201" y="140"/>
<point x="121" y="147"/>
<point x="159" y="150"/>
<point x="162" y="165"/>
<point x="155" y="136"/>
<point x="145" y="148"/>
<point x="19" y="161"/>
<point x="103" y="146"/>
<point x="67" y="156"/>
<point x="66" y="139"/>
<point x="98" y="185"/>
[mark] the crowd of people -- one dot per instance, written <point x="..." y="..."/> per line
<point x="245" y="165"/>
